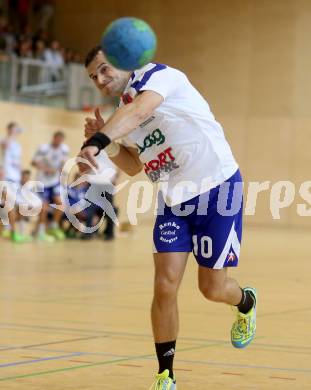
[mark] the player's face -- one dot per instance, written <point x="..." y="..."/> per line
<point x="109" y="80"/>
<point x="25" y="178"/>
<point x="57" y="140"/>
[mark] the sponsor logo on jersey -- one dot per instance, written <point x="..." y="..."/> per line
<point x="168" y="231"/>
<point x="155" y="138"/>
<point x="163" y="164"/>
<point x="231" y="256"/>
<point x="127" y="98"/>
<point x="142" y="125"/>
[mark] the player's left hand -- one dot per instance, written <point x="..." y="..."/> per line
<point x="88" y="153"/>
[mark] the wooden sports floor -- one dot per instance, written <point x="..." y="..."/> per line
<point x="75" y="315"/>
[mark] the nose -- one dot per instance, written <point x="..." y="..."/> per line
<point x="101" y="78"/>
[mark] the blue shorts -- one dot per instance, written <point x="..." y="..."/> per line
<point x="49" y="193"/>
<point x="209" y="225"/>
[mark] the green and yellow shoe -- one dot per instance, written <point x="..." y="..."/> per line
<point x="43" y="237"/>
<point x="6" y="233"/>
<point x="244" y="328"/>
<point x="18" y="238"/>
<point x="57" y="233"/>
<point x="164" y="382"/>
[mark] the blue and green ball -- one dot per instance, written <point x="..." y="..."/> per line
<point x="129" y="43"/>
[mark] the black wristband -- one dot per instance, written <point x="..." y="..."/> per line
<point x="100" y="140"/>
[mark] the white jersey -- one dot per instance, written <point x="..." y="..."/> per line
<point x="53" y="158"/>
<point x="181" y="145"/>
<point x="11" y="159"/>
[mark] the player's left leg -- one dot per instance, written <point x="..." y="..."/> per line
<point x="55" y="229"/>
<point x="216" y="286"/>
<point x="217" y="243"/>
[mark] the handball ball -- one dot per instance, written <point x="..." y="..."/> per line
<point x="129" y="43"/>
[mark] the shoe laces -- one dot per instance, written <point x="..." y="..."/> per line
<point x="161" y="380"/>
<point x="242" y="324"/>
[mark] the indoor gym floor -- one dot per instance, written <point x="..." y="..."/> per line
<point x="75" y="315"/>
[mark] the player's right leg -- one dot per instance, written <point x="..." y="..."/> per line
<point x="55" y="229"/>
<point x="41" y="233"/>
<point x="169" y="271"/>
<point x="172" y="244"/>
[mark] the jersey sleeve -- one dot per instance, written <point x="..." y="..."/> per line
<point x="160" y="78"/>
<point x="66" y="151"/>
<point x="40" y="153"/>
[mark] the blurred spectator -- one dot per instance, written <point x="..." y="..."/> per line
<point x="53" y="57"/>
<point x="77" y="58"/>
<point x="39" y="50"/>
<point x="24" y="48"/>
<point x="44" y="11"/>
<point x="7" y="38"/>
<point x="19" y="11"/>
<point x="41" y="34"/>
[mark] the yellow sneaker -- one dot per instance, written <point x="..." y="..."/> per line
<point x="43" y="237"/>
<point x="57" y="233"/>
<point x="244" y="328"/>
<point x="164" y="382"/>
<point x="6" y="233"/>
<point x="20" y="238"/>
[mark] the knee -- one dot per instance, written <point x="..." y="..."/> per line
<point x="165" y="290"/>
<point x="212" y="291"/>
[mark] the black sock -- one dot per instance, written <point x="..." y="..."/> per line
<point x="247" y="302"/>
<point x="166" y="354"/>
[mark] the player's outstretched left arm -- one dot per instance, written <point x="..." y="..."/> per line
<point x="124" y="120"/>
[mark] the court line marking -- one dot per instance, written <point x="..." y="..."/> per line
<point x="107" y="362"/>
<point x="107" y="333"/>
<point x="49" y="343"/>
<point x="24" y="362"/>
<point x="279" y="377"/>
<point x="237" y="365"/>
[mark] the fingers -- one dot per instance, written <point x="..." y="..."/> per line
<point x="97" y="115"/>
<point x="91" y="158"/>
<point x="92" y="124"/>
<point x="88" y="155"/>
<point x="88" y="132"/>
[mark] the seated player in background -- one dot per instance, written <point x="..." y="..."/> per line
<point x="176" y="139"/>
<point x="49" y="160"/>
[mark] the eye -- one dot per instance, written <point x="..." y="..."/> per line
<point x="103" y="69"/>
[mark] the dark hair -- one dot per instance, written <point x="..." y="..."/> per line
<point x="59" y="133"/>
<point x="91" y="55"/>
<point x="10" y="125"/>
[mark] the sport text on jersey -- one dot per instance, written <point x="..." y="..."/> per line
<point x="155" y="138"/>
<point x="163" y="164"/>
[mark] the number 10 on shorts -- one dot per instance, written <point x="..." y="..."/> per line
<point x="206" y="246"/>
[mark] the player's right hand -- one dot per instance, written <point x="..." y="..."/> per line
<point x="92" y="125"/>
<point x="88" y="153"/>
